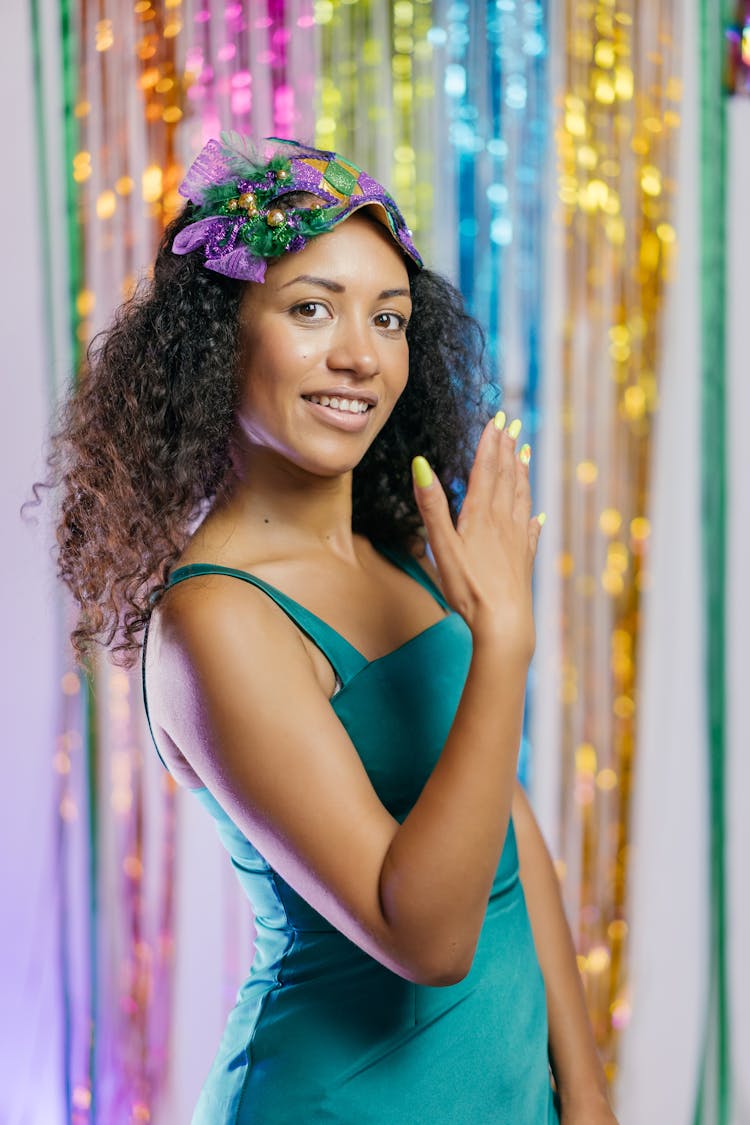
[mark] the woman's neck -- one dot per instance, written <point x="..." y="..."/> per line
<point x="279" y="509"/>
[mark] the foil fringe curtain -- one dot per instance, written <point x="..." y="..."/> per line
<point x="617" y="119"/>
<point x="446" y="103"/>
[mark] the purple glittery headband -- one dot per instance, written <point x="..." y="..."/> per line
<point x="241" y="219"/>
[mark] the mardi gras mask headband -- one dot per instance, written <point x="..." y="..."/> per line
<point x="242" y="219"/>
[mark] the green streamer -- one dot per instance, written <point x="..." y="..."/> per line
<point x="715" y="1079"/>
<point x="70" y="70"/>
<point x="44" y="216"/>
<point x="68" y="46"/>
<point x="41" y="101"/>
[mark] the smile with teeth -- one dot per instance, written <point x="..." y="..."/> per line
<point x="347" y="405"/>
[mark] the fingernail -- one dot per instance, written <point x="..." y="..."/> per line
<point x="525" y="454"/>
<point x="500" y="419"/>
<point x="422" y="472"/>
<point x="514" y="428"/>
<point x="541" y="518"/>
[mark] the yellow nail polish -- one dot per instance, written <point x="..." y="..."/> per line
<point x="422" y="472"/>
<point x="541" y="518"/>
<point x="500" y="419"/>
<point x="525" y="454"/>
<point x="514" y="428"/>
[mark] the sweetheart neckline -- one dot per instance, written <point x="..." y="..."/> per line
<point x="404" y="644"/>
<point x="369" y="664"/>
<point x="215" y="568"/>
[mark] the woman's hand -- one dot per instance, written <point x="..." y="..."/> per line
<point x="485" y="563"/>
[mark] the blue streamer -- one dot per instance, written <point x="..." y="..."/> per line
<point x="495" y="87"/>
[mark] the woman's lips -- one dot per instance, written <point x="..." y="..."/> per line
<point x="342" y="420"/>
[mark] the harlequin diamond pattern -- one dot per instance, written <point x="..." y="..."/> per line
<point x="340" y="178"/>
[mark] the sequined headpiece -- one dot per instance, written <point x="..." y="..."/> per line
<point x="241" y="221"/>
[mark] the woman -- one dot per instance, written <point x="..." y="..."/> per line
<point x="236" y="470"/>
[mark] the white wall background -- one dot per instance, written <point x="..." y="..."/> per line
<point x="29" y="1032"/>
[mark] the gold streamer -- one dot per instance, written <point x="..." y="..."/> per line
<point x="375" y="97"/>
<point x="616" y="145"/>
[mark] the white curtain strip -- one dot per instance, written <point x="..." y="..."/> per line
<point x="669" y="890"/>
<point x="303" y="63"/>
<point x="33" y="345"/>
<point x="738" y="604"/>
<point x="442" y="247"/>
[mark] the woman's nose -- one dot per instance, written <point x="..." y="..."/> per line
<point x="354" y="349"/>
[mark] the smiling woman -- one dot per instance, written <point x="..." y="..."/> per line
<point x="338" y="331"/>
<point x="144" y="446"/>
<point x="236" y="503"/>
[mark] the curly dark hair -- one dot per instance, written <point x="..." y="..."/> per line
<point x="141" y="444"/>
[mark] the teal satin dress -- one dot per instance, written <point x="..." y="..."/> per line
<point x="321" y="1031"/>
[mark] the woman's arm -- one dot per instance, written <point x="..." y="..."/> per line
<point x="575" y="1061"/>
<point x="255" y="726"/>
<point x="237" y="693"/>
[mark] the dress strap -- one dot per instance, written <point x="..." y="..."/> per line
<point x="345" y="660"/>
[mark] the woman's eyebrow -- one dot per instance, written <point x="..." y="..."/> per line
<point x="335" y="287"/>
<point x="394" y="293"/>
<point x="310" y="280"/>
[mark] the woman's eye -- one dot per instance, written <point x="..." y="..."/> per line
<point x="392" y="321"/>
<point x="310" y="310"/>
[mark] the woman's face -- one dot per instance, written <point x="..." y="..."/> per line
<point x="328" y="319"/>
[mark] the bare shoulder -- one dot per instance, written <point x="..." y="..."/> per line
<point x="215" y="613"/>
<point x="199" y="628"/>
